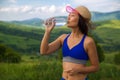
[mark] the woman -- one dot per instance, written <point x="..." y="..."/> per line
<point x="77" y="47"/>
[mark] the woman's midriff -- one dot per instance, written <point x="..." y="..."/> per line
<point x="67" y="76"/>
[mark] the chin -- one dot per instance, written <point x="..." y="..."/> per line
<point x="70" y="26"/>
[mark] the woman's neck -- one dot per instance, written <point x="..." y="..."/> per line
<point x="76" y="33"/>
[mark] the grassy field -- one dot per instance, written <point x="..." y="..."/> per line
<point x="31" y="69"/>
<point x="44" y="68"/>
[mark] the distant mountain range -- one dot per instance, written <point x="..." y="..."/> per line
<point x="96" y="16"/>
<point x="32" y="22"/>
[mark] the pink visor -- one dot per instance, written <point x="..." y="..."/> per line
<point x="69" y="9"/>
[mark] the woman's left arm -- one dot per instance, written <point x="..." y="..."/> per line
<point x="93" y="57"/>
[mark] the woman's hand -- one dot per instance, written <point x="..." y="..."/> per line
<point x="49" y="24"/>
<point x="74" y="71"/>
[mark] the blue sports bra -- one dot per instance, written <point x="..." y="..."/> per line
<point x="77" y="54"/>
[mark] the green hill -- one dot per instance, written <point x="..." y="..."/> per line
<point x="30" y="22"/>
<point x="99" y="16"/>
<point x="26" y="39"/>
<point x="109" y="32"/>
<point x="21" y="38"/>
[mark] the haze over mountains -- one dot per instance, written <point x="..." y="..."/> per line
<point x="96" y="16"/>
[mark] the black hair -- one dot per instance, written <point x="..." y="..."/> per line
<point x="82" y="25"/>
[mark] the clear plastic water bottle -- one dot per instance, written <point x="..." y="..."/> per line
<point x="60" y="21"/>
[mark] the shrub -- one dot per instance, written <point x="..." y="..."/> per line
<point x="1" y="58"/>
<point x="117" y="58"/>
<point x="9" y="55"/>
<point x="101" y="55"/>
<point x="2" y="49"/>
<point x="12" y="57"/>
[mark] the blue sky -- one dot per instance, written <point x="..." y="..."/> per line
<point x="26" y="9"/>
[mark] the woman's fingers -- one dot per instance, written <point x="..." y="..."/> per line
<point x="68" y="70"/>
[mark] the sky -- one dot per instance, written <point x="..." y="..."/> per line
<point x="26" y="9"/>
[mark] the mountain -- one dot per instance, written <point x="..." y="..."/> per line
<point x="32" y="22"/>
<point x="98" y="16"/>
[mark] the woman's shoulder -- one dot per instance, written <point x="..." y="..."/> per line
<point x="89" y="40"/>
<point x="63" y="36"/>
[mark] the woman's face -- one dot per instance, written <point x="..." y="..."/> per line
<point x="72" y="20"/>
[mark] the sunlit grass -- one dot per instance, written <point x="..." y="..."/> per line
<point x="44" y="68"/>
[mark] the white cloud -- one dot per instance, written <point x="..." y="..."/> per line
<point x="43" y="8"/>
<point x="8" y="9"/>
<point x="113" y="6"/>
<point x="52" y="9"/>
<point x="39" y="11"/>
<point x="16" y="9"/>
<point x="48" y="10"/>
<point x="25" y="8"/>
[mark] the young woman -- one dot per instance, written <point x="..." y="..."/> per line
<point x="77" y="47"/>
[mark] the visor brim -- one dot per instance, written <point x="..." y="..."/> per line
<point x="69" y="9"/>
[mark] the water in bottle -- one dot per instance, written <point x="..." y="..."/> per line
<point x="60" y="21"/>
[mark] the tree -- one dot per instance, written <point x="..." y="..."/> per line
<point x="117" y="58"/>
<point x="2" y="49"/>
<point x="9" y="55"/>
<point x="101" y="55"/>
<point x="2" y="52"/>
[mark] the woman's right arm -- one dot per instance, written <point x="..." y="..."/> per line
<point x="46" y="47"/>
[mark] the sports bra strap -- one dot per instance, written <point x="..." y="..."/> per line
<point x="83" y="39"/>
